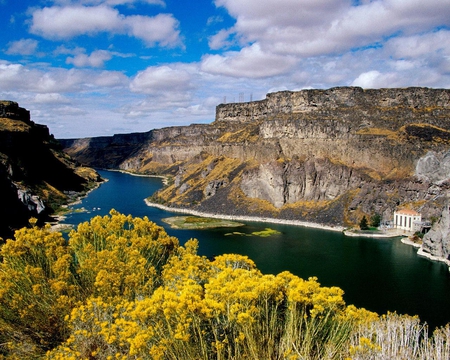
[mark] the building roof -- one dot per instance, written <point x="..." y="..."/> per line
<point x="407" y="212"/>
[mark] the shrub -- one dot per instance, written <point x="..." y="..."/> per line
<point x="122" y="288"/>
<point x="363" y="224"/>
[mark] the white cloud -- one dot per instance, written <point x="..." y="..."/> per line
<point x="250" y="62"/>
<point x="50" y="98"/>
<point x="67" y="22"/>
<point x="16" y="77"/>
<point x="22" y="47"/>
<point x="96" y="59"/>
<point x="375" y="79"/>
<point x="221" y="40"/>
<point x="160" y="29"/>
<point x="70" y="21"/>
<point x="161" y="79"/>
<point x="314" y="28"/>
<point x="408" y="47"/>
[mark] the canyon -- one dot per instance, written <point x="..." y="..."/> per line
<point x="324" y="156"/>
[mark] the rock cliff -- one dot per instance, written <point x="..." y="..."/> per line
<point x="36" y="176"/>
<point x="328" y="156"/>
<point x="437" y="241"/>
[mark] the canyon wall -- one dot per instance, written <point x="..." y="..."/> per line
<point x="36" y="176"/>
<point x="327" y="156"/>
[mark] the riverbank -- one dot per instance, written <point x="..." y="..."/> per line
<point x="424" y="254"/>
<point x="164" y="179"/>
<point x="391" y="233"/>
<point x="245" y="218"/>
<point x="58" y="218"/>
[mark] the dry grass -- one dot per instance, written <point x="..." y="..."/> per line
<point x="248" y="134"/>
<point x="13" y="125"/>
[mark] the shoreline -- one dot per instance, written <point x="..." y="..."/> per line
<point x="381" y="235"/>
<point x="56" y="224"/>
<point x="165" y="179"/>
<point x="424" y="254"/>
<point x="245" y="218"/>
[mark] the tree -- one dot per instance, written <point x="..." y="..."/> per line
<point x="375" y="220"/>
<point x="363" y="225"/>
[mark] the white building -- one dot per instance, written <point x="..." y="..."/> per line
<point x="406" y="219"/>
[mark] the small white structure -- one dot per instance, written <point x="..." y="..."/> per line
<point x="406" y="219"/>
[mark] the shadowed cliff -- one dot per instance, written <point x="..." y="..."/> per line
<point x="36" y="176"/>
<point x="325" y="156"/>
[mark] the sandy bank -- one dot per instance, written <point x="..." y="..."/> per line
<point x="245" y="218"/>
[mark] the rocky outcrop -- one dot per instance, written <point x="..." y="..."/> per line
<point x="437" y="241"/>
<point x="331" y="101"/>
<point x="36" y="176"/>
<point x="12" y="110"/>
<point x="327" y="156"/>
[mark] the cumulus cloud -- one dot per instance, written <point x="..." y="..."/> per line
<point x="70" y="21"/>
<point x="375" y="79"/>
<point x="314" y="28"/>
<point x="50" y="98"/>
<point x="96" y="59"/>
<point x="161" y="29"/>
<point x="16" y="77"/>
<point x="22" y="47"/>
<point x="250" y="62"/>
<point x="161" y="79"/>
<point x="66" y="22"/>
<point x="221" y="40"/>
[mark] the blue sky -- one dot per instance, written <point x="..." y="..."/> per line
<point x="99" y="67"/>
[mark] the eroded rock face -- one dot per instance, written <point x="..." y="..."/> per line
<point x="434" y="167"/>
<point x="33" y="203"/>
<point x="328" y="102"/>
<point x="289" y="182"/>
<point x="350" y="151"/>
<point x="437" y="241"/>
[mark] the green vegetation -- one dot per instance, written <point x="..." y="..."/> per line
<point x="363" y="224"/>
<point x="375" y="220"/>
<point x="264" y="233"/>
<point x="196" y="222"/>
<point x="121" y="288"/>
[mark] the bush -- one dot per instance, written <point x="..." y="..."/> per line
<point x="375" y="220"/>
<point x="363" y="224"/>
<point x="122" y="288"/>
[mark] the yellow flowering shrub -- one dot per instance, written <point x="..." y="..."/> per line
<point x="120" y="255"/>
<point x="121" y="288"/>
<point x="37" y="290"/>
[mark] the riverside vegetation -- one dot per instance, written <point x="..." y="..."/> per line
<point x="122" y="288"/>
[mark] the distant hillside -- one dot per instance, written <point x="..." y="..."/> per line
<point x="36" y="176"/>
<point x="325" y="156"/>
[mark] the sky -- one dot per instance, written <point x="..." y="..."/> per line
<point x="92" y="68"/>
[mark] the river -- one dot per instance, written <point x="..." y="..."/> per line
<point x="378" y="274"/>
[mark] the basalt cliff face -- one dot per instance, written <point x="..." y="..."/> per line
<point x="324" y="156"/>
<point x="36" y="176"/>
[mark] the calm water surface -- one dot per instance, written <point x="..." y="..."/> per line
<point x="378" y="274"/>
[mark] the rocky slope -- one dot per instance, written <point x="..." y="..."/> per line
<point x="437" y="241"/>
<point x="327" y="156"/>
<point x="36" y="176"/>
